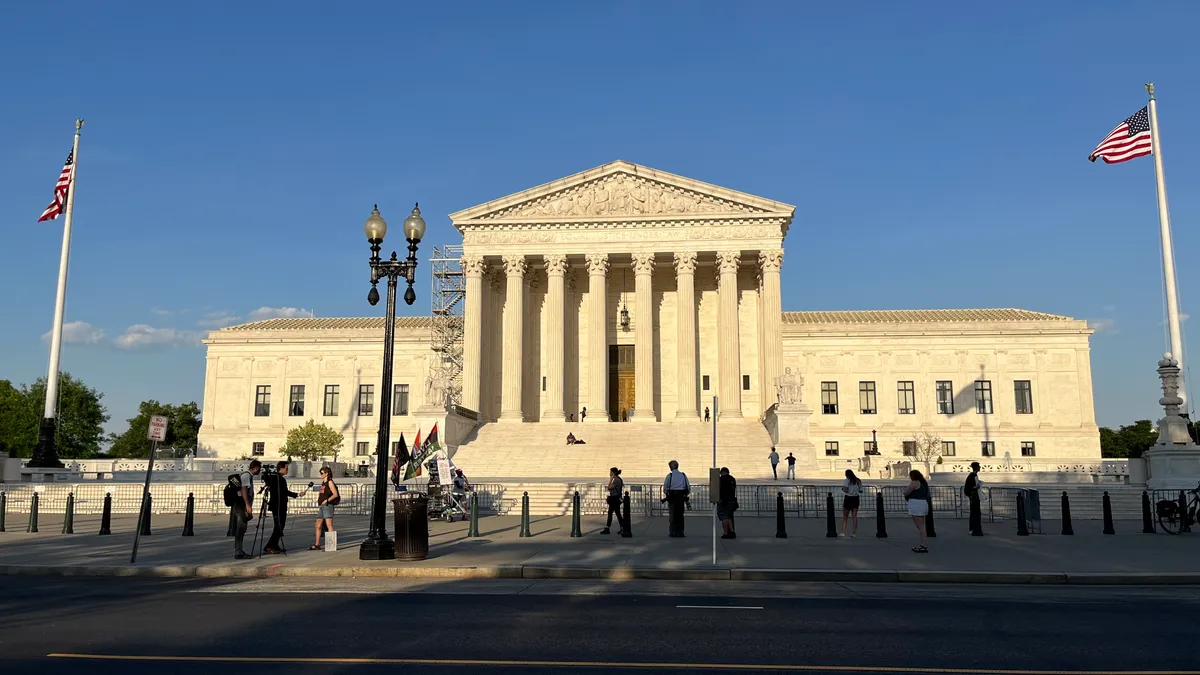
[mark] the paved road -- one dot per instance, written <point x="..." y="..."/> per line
<point x="180" y="626"/>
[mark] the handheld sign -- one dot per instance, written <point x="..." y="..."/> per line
<point x="158" y="428"/>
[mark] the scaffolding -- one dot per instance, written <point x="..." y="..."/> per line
<point x="446" y="331"/>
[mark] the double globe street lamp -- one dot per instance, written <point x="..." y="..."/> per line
<point x="377" y="545"/>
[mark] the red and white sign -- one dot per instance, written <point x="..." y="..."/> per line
<point x="158" y="428"/>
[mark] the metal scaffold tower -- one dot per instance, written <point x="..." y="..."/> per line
<point x="446" y="334"/>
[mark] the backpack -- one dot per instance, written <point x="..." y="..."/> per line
<point x="335" y="500"/>
<point x="971" y="487"/>
<point x="233" y="491"/>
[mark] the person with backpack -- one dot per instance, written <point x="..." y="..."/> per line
<point x="971" y="491"/>
<point x="239" y="497"/>
<point x="327" y="498"/>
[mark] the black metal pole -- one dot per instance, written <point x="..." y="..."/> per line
<point x="377" y="545"/>
<point x="1066" y="515"/>
<point x="1147" y="521"/>
<point x="780" y="523"/>
<point x="880" y="523"/>
<point x="1106" y="503"/>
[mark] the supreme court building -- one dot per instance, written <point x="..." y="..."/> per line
<point x="654" y="302"/>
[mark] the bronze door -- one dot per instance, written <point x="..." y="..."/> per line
<point x="621" y="384"/>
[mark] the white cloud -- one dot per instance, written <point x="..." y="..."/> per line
<point x="263" y="313"/>
<point x="144" y="337"/>
<point x="78" y="333"/>
<point x="218" y="319"/>
<point x="1103" y="325"/>
<point x="161" y="312"/>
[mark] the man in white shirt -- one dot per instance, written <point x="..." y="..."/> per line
<point x="774" y="457"/>
<point x="676" y="488"/>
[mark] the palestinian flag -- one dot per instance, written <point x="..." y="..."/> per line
<point x="422" y="453"/>
<point x="402" y="457"/>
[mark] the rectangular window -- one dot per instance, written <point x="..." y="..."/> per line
<point x="262" y="400"/>
<point x="945" y="397"/>
<point x="948" y="449"/>
<point x="395" y="448"/>
<point x="296" y="401"/>
<point x="400" y="399"/>
<point x="988" y="448"/>
<point x="831" y="449"/>
<point x="866" y="398"/>
<point x="331" y="400"/>
<point x="705" y="379"/>
<point x="1027" y="449"/>
<point x="1024" y="389"/>
<point x="746" y="383"/>
<point x="258" y="449"/>
<point x="543" y="383"/>
<point x="868" y="447"/>
<point x="906" y="398"/>
<point x="362" y="449"/>
<point x="983" y="397"/>
<point x="366" y="399"/>
<point x="910" y="448"/>
<point x="829" y="399"/>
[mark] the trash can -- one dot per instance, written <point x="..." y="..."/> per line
<point x="412" y="526"/>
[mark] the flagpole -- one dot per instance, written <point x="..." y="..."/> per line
<point x="1168" y="252"/>
<point x="45" y="455"/>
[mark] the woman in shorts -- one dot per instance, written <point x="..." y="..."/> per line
<point x="917" y="494"/>
<point x="326" y="500"/>
<point x="851" y="491"/>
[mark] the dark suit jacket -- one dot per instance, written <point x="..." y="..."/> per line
<point x="278" y="493"/>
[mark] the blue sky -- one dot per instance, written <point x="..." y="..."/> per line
<point x="936" y="153"/>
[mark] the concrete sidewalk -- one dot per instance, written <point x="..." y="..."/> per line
<point x="1129" y="557"/>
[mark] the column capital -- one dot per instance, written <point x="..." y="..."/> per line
<point x="515" y="265"/>
<point x="685" y="262"/>
<point x="556" y="264"/>
<point x="473" y="265"/>
<point x="597" y="263"/>
<point x="643" y="263"/>
<point x="771" y="260"/>
<point x="727" y="261"/>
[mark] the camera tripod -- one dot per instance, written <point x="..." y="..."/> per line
<point x="262" y="514"/>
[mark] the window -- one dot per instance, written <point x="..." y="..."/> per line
<point x="543" y="383"/>
<point x="910" y="448"/>
<point x="362" y="449"/>
<point x="1027" y="449"/>
<point x="831" y="449"/>
<point x="945" y="397"/>
<point x="983" y="397"/>
<point x="868" y="447"/>
<point x="988" y="448"/>
<point x="395" y="448"/>
<point x="829" y="402"/>
<point x="948" y="449"/>
<point x="366" y="399"/>
<point x="866" y="398"/>
<point x="705" y="379"/>
<point x="331" y="400"/>
<point x="906" y="398"/>
<point x="1024" y="389"/>
<point x="296" y="401"/>
<point x="258" y="449"/>
<point x="746" y="383"/>
<point x="262" y="400"/>
<point x="400" y="399"/>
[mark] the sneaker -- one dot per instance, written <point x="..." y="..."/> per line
<point x="605" y="531"/>
<point x="727" y="536"/>
<point x="241" y="555"/>
<point x="853" y="536"/>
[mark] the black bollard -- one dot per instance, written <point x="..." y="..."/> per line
<point x="576" y="526"/>
<point x="880" y="523"/>
<point x="189" y="517"/>
<point x="929" y="529"/>
<point x="1066" y="515"/>
<point x="1022" y="526"/>
<point x="525" y="516"/>
<point x="1147" y="519"/>
<point x="1187" y="519"/>
<point x="232" y="524"/>
<point x="3" y="509"/>
<point x="830" y="525"/>
<point x="473" y="529"/>
<point x="33" y="514"/>
<point x="780" y="525"/>
<point x="69" y="517"/>
<point x="1108" y="522"/>
<point x="628" y="524"/>
<point x="106" y="516"/>
<point x="146" y="509"/>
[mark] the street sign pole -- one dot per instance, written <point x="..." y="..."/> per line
<point x="157" y="432"/>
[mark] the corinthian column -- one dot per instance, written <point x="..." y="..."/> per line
<point x="685" y="276"/>
<point x="643" y="338"/>
<point x="772" y="322"/>
<point x="728" y="343"/>
<point x="472" y="331"/>
<point x="597" y="264"/>
<point x="514" y="343"/>
<point x="556" y="270"/>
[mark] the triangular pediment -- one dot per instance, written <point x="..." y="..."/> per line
<point x="620" y="190"/>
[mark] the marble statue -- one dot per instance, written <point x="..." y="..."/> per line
<point x="789" y="390"/>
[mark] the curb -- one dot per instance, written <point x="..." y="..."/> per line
<point x="541" y="572"/>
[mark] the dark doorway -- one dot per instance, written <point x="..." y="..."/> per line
<point x="621" y="385"/>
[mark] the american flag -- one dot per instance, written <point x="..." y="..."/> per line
<point x="60" y="190"/>
<point x="1129" y="140"/>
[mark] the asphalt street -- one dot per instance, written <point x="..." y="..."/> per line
<point x="349" y="626"/>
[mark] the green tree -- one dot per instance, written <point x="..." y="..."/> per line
<point x="312" y="442"/>
<point x="80" y="417"/>
<point x="181" y="431"/>
<point x="18" y="420"/>
<point x="1129" y="440"/>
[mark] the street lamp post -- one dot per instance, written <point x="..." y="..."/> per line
<point x="377" y="545"/>
<point x="874" y="444"/>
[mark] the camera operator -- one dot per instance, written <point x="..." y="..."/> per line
<point x="277" y="503"/>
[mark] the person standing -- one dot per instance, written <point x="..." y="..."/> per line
<point x="774" y="457"/>
<point x="706" y="415"/>
<point x="791" y="460"/>
<point x="727" y="503"/>
<point x="243" y="508"/>
<point x="851" y="494"/>
<point x="616" y="487"/>
<point x="278" y="495"/>
<point x="676" y="489"/>
<point x="583" y="414"/>
<point x="971" y="490"/>
<point x="327" y="498"/>
<point x="917" y="494"/>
